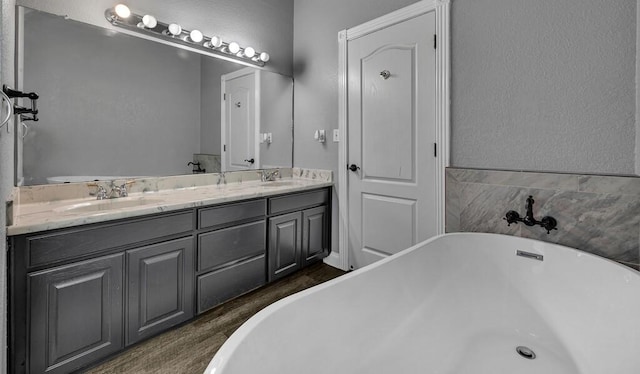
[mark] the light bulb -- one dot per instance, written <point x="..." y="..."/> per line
<point x="215" y="42"/>
<point x="196" y="36"/>
<point x="122" y="11"/>
<point x="264" y="56"/>
<point x="149" y="21"/>
<point x="175" y="29"/>
<point x="234" y="47"/>
<point x="249" y="52"/>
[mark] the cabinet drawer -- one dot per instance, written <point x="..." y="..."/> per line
<point x="219" y="286"/>
<point x="298" y="201"/>
<point x="216" y="216"/>
<point x="231" y="244"/>
<point x="49" y="248"/>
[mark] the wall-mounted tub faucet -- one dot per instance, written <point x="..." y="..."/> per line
<point x="196" y="169"/>
<point x="548" y="223"/>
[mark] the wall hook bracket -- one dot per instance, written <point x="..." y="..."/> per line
<point x="22" y="111"/>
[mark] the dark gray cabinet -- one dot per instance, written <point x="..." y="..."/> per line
<point x="232" y="259"/>
<point x="80" y="294"/>
<point x="285" y="244"/>
<point x="300" y="237"/>
<point x="315" y="234"/>
<point x="75" y="314"/>
<point x="159" y="288"/>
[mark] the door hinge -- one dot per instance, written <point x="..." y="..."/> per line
<point x="435" y="149"/>
<point x="224" y="148"/>
<point x="435" y="41"/>
<point x="224" y="97"/>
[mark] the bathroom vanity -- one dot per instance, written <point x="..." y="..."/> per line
<point x="80" y="293"/>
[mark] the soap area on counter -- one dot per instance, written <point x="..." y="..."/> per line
<point x="159" y="253"/>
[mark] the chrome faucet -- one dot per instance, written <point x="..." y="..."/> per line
<point x="120" y="190"/>
<point x="269" y="176"/>
<point x="102" y="193"/>
<point x="222" y="178"/>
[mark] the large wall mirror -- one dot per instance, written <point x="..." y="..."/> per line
<point x="116" y="105"/>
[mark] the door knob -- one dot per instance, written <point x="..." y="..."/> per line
<point x="353" y="167"/>
<point x="251" y="161"/>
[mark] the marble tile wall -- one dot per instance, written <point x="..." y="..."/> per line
<point x="211" y="163"/>
<point x="597" y="214"/>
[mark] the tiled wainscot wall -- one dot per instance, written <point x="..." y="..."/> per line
<point x="596" y="214"/>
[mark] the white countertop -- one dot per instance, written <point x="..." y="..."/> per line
<point x="42" y="216"/>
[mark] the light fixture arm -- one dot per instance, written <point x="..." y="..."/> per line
<point x="161" y="30"/>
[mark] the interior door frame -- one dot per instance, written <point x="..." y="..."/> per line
<point x="443" y="71"/>
<point x="223" y="114"/>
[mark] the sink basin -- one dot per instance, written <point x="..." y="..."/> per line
<point x="110" y="204"/>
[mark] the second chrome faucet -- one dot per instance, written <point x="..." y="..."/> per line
<point x="116" y="191"/>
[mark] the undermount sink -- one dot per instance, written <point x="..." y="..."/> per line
<point x="109" y="204"/>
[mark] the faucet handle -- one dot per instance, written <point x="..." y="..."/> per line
<point x="549" y="223"/>
<point x="101" y="194"/>
<point x="122" y="190"/>
<point x="512" y="217"/>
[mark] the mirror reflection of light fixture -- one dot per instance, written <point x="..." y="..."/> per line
<point x="121" y="16"/>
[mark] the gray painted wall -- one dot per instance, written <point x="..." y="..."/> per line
<point x="143" y="117"/>
<point x="276" y="116"/>
<point x="7" y="27"/>
<point x="544" y="85"/>
<point x="266" y="25"/>
<point x="637" y="92"/>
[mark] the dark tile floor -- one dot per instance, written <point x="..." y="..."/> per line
<point x="189" y="348"/>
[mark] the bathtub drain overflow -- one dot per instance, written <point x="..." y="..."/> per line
<point x="526" y="352"/>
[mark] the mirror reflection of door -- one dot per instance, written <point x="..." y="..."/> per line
<point x="239" y="118"/>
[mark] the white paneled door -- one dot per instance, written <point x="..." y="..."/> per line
<point x="239" y="119"/>
<point x="392" y="160"/>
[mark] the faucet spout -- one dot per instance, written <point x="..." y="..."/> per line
<point x="529" y="220"/>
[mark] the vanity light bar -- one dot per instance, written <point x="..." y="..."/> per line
<point x="121" y="16"/>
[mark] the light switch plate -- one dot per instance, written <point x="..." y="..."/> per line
<point x="336" y="135"/>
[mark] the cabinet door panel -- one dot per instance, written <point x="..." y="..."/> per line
<point x="76" y="314"/>
<point x="159" y="287"/>
<point x="285" y="240"/>
<point x="314" y="234"/>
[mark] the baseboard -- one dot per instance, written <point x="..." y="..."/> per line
<point x="333" y="260"/>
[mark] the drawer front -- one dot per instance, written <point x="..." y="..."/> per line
<point x="231" y="244"/>
<point x="219" y="286"/>
<point x="298" y="201"/>
<point x="68" y="244"/>
<point x="216" y="216"/>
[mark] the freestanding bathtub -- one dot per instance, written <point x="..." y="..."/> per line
<point x="457" y="303"/>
